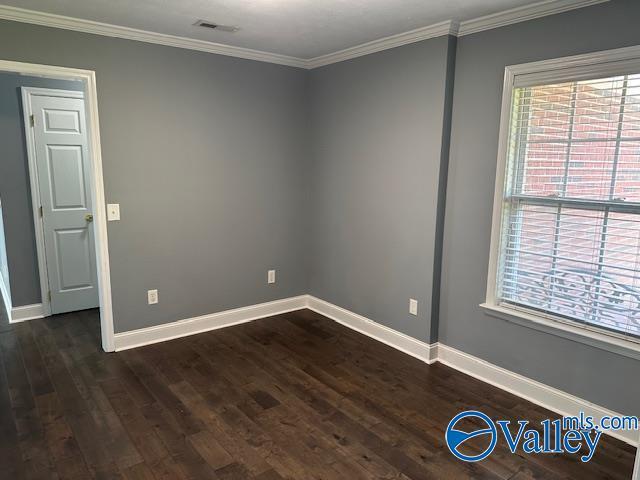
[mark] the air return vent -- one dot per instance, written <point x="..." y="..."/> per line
<point x="216" y="26"/>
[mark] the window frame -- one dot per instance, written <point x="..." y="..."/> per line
<point x="579" y="67"/>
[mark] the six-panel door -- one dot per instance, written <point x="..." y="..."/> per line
<point x="63" y="166"/>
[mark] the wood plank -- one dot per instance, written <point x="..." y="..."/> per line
<point x="288" y="397"/>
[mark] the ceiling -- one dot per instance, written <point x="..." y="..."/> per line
<point x="297" y="28"/>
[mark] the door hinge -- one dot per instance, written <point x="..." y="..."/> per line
<point x="40" y="211"/>
<point x="49" y="296"/>
<point x="32" y="119"/>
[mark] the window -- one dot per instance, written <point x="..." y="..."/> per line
<point x="566" y="244"/>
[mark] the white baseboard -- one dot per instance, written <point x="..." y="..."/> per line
<point x="6" y="298"/>
<point x="543" y="395"/>
<point x="26" y="312"/>
<point x="548" y="397"/>
<point x="204" y="323"/>
<point x="409" y="345"/>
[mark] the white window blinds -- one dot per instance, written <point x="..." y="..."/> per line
<point x="570" y="243"/>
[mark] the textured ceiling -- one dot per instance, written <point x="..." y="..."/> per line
<point x="299" y="28"/>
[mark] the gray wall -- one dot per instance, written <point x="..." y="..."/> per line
<point x="585" y="371"/>
<point x="207" y="157"/>
<point x="234" y="157"/>
<point x="377" y="135"/>
<point x="377" y="128"/>
<point x="15" y="190"/>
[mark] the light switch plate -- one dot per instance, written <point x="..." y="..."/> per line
<point x="152" y="297"/>
<point x="271" y="276"/>
<point x="413" y="306"/>
<point x="113" y="212"/>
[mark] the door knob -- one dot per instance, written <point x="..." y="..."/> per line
<point x="88" y="217"/>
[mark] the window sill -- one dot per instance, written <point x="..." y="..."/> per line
<point x="565" y="330"/>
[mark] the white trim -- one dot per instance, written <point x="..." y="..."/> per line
<point x="590" y="65"/>
<point x="548" y="397"/>
<point x="204" y="323"/>
<point x="636" y="468"/>
<point x="448" y="27"/>
<point x="6" y="298"/>
<point x="577" y="67"/>
<point x="97" y="186"/>
<point x="566" y="329"/>
<point x="27" y="94"/>
<point x="409" y="345"/>
<point x="27" y="312"/>
<point x="498" y="195"/>
<point x="543" y="395"/>
<point x="16" y="14"/>
<point x="100" y="216"/>
<point x="522" y="14"/>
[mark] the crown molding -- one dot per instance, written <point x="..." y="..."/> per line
<point x="452" y="27"/>
<point x="97" y="28"/>
<point x="522" y="14"/>
<point x="449" y="27"/>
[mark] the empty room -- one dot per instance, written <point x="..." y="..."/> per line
<point x="298" y="239"/>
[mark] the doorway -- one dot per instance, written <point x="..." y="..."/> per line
<point x="67" y="192"/>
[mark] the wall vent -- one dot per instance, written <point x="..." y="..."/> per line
<point x="216" y="26"/>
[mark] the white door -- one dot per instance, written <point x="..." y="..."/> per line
<point x="63" y="172"/>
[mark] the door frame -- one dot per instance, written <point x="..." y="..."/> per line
<point x="27" y="95"/>
<point x="88" y="77"/>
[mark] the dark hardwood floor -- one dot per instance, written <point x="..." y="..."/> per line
<point x="293" y="396"/>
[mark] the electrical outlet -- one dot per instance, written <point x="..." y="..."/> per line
<point x="413" y="306"/>
<point x="271" y="276"/>
<point x="152" y="297"/>
<point x="113" y="212"/>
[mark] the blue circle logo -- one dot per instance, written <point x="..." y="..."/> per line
<point x="456" y="438"/>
